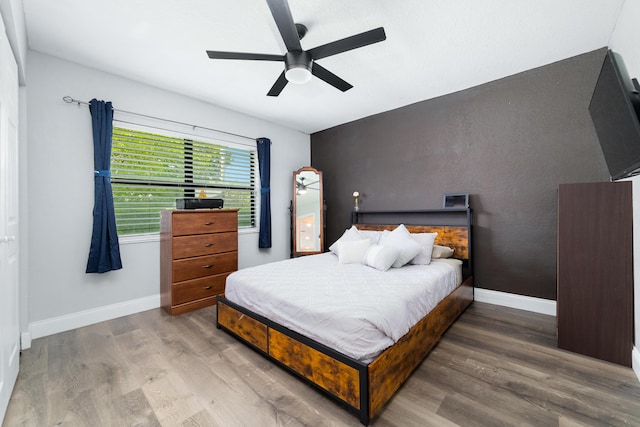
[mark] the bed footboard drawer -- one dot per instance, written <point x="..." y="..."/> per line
<point x="339" y="379"/>
<point x="247" y="328"/>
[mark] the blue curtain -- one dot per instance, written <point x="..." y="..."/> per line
<point x="264" y="161"/>
<point x="104" y="254"/>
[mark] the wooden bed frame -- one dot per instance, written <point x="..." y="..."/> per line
<point x="364" y="388"/>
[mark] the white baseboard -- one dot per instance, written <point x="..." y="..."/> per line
<point x="43" y="328"/>
<point x="25" y="340"/>
<point x="635" y="361"/>
<point x="521" y="302"/>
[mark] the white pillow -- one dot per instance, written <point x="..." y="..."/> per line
<point x="426" y="242"/>
<point x="349" y="235"/>
<point x="441" y="252"/>
<point x="353" y="252"/>
<point x="401" y="239"/>
<point x="372" y="235"/>
<point x="381" y="257"/>
<point x="383" y="236"/>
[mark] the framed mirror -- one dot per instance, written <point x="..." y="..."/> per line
<point x="307" y="215"/>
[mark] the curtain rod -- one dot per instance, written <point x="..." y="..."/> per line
<point x="70" y="100"/>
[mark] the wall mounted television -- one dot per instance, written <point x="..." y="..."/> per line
<point x="615" y="111"/>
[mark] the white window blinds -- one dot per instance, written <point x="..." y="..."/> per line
<point x="150" y="171"/>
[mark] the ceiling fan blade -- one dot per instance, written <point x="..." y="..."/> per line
<point x="326" y="75"/>
<point x="278" y="86"/>
<point x="282" y="15"/>
<point x="349" y="43"/>
<point x="213" y="54"/>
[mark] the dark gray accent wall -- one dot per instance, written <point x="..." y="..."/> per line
<point x="507" y="143"/>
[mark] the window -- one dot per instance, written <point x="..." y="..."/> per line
<point x="150" y="171"/>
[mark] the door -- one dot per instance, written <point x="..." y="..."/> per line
<point x="9" y="326"/>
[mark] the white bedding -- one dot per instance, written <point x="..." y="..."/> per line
<point x="351" y="308"/>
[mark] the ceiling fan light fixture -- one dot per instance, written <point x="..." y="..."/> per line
<point x="298" y="75"/>
<point x="298" y="67"/>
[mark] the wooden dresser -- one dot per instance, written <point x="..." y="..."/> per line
<point x="198" y="250"/>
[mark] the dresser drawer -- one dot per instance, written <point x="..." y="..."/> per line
<point x="186" y="223"/>
<point x="195" y="289"/>
<point x="204" y="244"/>
<point x="192" y="268"/>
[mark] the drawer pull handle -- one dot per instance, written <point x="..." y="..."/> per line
<point x="208" y="245"/>
<point x="206" y="288"/>
<point x="209" y="223"/>
<point x="207" y="266"/>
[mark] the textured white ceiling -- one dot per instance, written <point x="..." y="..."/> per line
<point x="433" y="47"/>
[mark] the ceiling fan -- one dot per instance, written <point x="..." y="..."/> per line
<point x="300" y="64"/>
<point x="301" y="187"/>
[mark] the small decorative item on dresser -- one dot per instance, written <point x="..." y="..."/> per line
<point x="199" y="203"/>
<point x="356" y="206"/>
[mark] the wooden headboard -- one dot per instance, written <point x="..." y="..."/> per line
<point x="455" y="237"/>
<point x="454" y="227"/>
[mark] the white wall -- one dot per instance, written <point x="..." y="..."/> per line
<point x="59" y="199"/>
<point x="625" y="41"/>
<point x="13" y="17"/>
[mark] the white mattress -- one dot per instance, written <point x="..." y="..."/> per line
<point x="351" y="308"/>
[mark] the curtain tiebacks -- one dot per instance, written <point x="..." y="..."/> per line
<point x="265" y="190"/>
<point x="104" y="172"/>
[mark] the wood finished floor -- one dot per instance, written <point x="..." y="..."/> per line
<point x="494" y="367"/>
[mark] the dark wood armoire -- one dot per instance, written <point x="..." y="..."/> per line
<point x="595" y="270"/>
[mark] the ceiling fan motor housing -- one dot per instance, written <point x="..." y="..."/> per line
<point x="298" y="65"/>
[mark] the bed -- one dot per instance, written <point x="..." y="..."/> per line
<point x="364" y="383"/>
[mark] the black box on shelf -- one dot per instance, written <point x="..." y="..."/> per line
<point x="199" y="203"/>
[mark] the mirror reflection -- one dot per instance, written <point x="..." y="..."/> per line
<point x="308" y="218"/>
